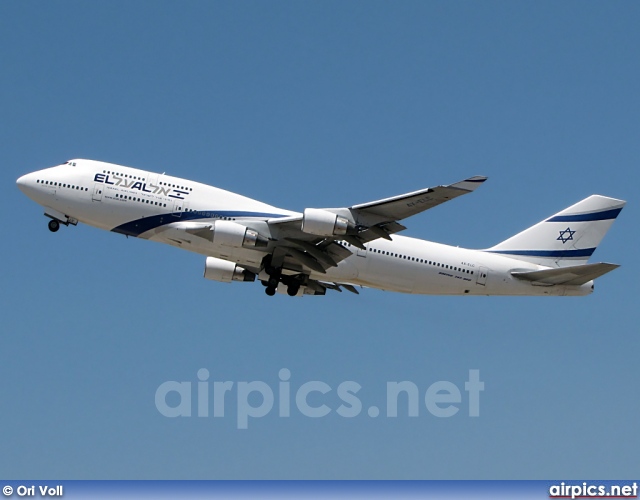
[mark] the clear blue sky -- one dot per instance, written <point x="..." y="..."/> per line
<point x="318" y="104"/>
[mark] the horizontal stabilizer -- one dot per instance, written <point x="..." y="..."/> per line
<point x="574" y="275"/>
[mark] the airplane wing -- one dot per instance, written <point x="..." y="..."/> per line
<point x="406" y="205"/>
<point x="303" y="240"/>
<point x="574" y="275"/>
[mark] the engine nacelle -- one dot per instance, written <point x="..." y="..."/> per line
<point x="323" y="223"/>
<point x="236" y="235"/>
<point x="225" y="271"/>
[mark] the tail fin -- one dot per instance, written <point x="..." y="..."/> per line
<point x="567" y="238"/>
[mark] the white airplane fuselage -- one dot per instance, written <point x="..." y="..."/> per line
<point x="157" y="206"/>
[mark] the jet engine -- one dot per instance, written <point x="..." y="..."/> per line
<point x="236" y="235"/>
<point x="323" y="223"/>
<point x="225" y="271"/>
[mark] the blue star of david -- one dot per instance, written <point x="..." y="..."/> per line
<point x="566" y="235"/>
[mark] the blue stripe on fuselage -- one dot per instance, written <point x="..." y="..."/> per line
<point x="139" y="226"/>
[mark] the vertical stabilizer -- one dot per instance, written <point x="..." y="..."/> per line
<point x="566" y="239"/>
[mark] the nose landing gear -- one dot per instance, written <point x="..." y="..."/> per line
<point x="57" y="218"/>
<point x="53" y="225"/>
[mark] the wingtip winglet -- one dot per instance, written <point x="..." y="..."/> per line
<point x="471" y="183"/>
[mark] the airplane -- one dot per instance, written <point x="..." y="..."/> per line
<point x="324" y="249"/>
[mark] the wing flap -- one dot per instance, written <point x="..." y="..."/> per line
<point x="379" y="231"/>
<point x="332" y="285"/>
<point x="574" y="275"/>
<point x="318" y="258"/>
<point x="314" y="251"/>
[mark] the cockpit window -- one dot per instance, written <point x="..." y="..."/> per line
<point x="72" y="163"/>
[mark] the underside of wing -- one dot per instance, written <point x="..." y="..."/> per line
<point x="321" y="287"/>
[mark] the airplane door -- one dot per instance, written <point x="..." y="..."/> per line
<point x="178" y="206"/>
<point x="97" y="192"/>
<point x="481" y="279"/>
<point x="361" y="253"/>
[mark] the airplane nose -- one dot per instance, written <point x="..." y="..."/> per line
<point x="23" y="182"/>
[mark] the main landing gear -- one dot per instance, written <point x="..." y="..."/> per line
<point x="270" y="290"/>
<point x="293" y="289"/>
<point x="275" y="277"/>
<point x="53" y="225"/>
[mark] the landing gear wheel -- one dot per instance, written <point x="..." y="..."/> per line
<point x="270" y="291"/>
<point x="273" y="282"/>
<point x="292" y="290"/>
<point x="54" y="225"/>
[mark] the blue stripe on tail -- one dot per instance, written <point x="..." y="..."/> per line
<point x="583" y="252"/>
<point x="605" y="215"/>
